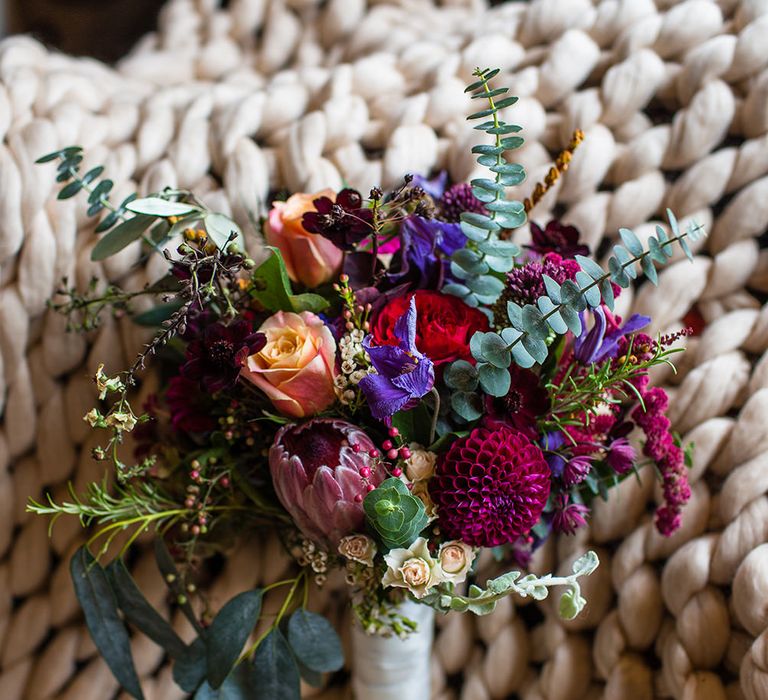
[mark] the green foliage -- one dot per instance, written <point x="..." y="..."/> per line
<point x="157" y="208"/>
<point x="532" y="327"/>
<point x="481" y="264"/>
<point x="483" y="601"/>
<point x="274" y="674"/>
<point x="102" y="618"/>
<point x="271" y="287"/>
<point x="394" y="513"/>
<point x="225" y="638"/>
<point x="314" y="642"/>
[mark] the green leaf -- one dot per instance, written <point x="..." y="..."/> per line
<point x="512" y="142"/>
<point x="632" y="242"/>
<point x="494" y="350"/>
<point x="273" y="672"/>
<point x="494" y="380"/>
<point x="461" y="375"/>
<point x="506" y="102"/>
<point x="471" y="261"/>
<point x="673" y="223"/>
<point x="140" y="613"/>
<point x="107" y="222"/>
<point x="553" y="288"/>
<point x="309" y="302"/>
<point x="414" y="424"/>
<point x="590" y="267"/>
<point x="571" y="319"/>
<point x="189" y="669"/>
<point x="457" y="290"/>
<point x="467" y="405"/>
<point x="515" y="315"/>
<point x="536" y="348"/>
<point x="228" y="633"/>
<point x="618" y="274"/>
<point x="92" y="174"/>
<point x="121" y="236"/>
<point x="487" y="160"/>
<point x="586" y="564"/>
<point x="555" y="320"/>
<point x="657" y="253"/>
<point x="571" y="296"/>
<point x="686" y="249"/>
<point x="479" y="221"/>
<point x="103" y="620"/>
<point x="314" y="641"/>
<point x="486" y="286"/>
<point x="48" y="157"/>
<point x="235" y="687"/>
<point x="169" y="571"/>
<point x="521" y="356"/>
<point x="220" y="228"/>
<point x="589" y="289"/>
<point x="70" y="190"/>
<point x="606" y="290"/>
<point x="156" y="206"/>
<point x="534" y="323"/>
<point x="482" y="113"/>
<point x="650" y="271"/>
<point x="271" y="286"/>
<point x="487" y="149"/>
<point x="662" y="234"/>
<point x="491" y="94"/>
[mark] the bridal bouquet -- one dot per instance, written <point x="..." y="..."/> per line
<point x="392" y="387"/>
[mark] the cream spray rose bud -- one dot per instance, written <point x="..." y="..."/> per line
<point x="359" y="548"/>
<point x="456" y="560"/>
<point x="421" y="464"/>
<point x="413" y="568"/>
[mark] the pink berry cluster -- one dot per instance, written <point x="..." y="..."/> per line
<point x="661" y="448"/>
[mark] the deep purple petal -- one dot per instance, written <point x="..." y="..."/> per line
<point x="419" y="381"/>
<point x="383" y="398"/>
<point x="434" y="187"/>
<point x="387" y="360"/>
<point x="587" y="344"/>
<point x="405" y="328"/>
<point x="611" y="341"/>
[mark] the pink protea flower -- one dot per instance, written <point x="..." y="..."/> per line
<point x="490" y="487"/>
<point x="321" y="471"/>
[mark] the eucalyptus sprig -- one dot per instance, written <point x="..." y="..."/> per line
<point x="481" y="264"/>
<point x="482" y="601"/>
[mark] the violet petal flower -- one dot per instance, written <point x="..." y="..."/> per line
<point x="621" y="456"/>
<point x="434" y="187"/>
<point x="404" y="375"/>
<point x="595" y="344"/>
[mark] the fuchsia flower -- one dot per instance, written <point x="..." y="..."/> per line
<point x="490" y="487"/>
<point x="321" y="471"/>
<point x="568" y="517"/>
<point x="557" y="237"/>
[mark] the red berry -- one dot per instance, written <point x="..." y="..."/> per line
<point x="373" y="453"/>
<point x="195" y="529"/>
<point x="358" y="498"/>
<point x="392" y="454"/>
<point x="386" y="445"/>
<point x="355" y="448"/>
<point x="194" y="475"/>
<point x="370" y="488"/>
<point x="397" y="471"/>
<point x="394" y="432"/>
<point x="405" y="453"/>
<point x="365" y="472"/>
<point x="225" y="482"/>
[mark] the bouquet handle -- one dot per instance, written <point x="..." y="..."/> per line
<point x="390" y="668"/>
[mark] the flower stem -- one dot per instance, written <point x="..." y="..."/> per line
<point x="433" y="427"/>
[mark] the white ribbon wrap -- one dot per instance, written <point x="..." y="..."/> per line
<point x="390" y="668"/>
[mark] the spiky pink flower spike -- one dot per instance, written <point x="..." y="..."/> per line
<point x="490" y="487"/>
<point x="321" y="471"/>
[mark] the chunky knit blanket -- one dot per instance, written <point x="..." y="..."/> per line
<point x="230" y="101"/>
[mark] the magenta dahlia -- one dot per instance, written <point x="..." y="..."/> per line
<point x="321" y="471"/>
<point x="490" y="487"/>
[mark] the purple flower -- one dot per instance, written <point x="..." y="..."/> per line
<point x="404" y="374"/>
<point x="215" y="358"/>
<point x="557" y="238"/>
<point x="568" y="517"/>
<point x="421" y="240"/>
<point x="575" y="470"/>
<point x="344" y="222"/>
<point x="595" y="344"/>
<point x="621" y="456"/>
<point x="434" y="187"/>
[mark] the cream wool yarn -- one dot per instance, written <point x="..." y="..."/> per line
<point x="673" y="98"/>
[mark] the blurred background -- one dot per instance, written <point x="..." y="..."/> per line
<point x="104" y="29"/>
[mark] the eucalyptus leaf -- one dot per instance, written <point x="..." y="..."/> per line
<point x="221" y="228"/>
<point x="461" y="375"/>
<point x="189" y="669"/>
<point x="121" y="236"/>
<point x="534" y="323"/>
<point x="139" y="612"/>
<point x="494" y="380"/>
<point x="521" y="356"/>
<point x="494" y="350"/>
<point x="589" y="289"/>
<point x="314" y="642"/>
<point x="650" y="271"/>
<point x="102" y="619"/>
<point x="228" y="633"/>
<point x="156" y="206"/>
<point x="630" y="240"/>
<point x="273" y="672"/>
<point x="536" y="348"/>
<point x="467" y="405"/>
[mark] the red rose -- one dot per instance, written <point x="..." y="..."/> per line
<point x="444" y="325"/>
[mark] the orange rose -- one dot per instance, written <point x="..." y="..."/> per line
<point x="295" y="368"/>
<point x="309" y="257"/>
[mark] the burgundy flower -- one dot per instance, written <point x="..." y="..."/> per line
<point x="525" y="401"/>
<point x="458" y="199"/>
<point x="568" y="517"/>
<point x="215" y="358"/>
<point x="190" y="407"/>
<point x="557" y="238"/>
<point x="344" y="222"/>
<point x="321" y="471"/>
<point x="621" y="456"/>
<point x="575" y="470"/>
<point x="490" y="487"/>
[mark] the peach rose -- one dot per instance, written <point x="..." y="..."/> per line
<point x="309" y="258"/>
<point x="295" y="368"/>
